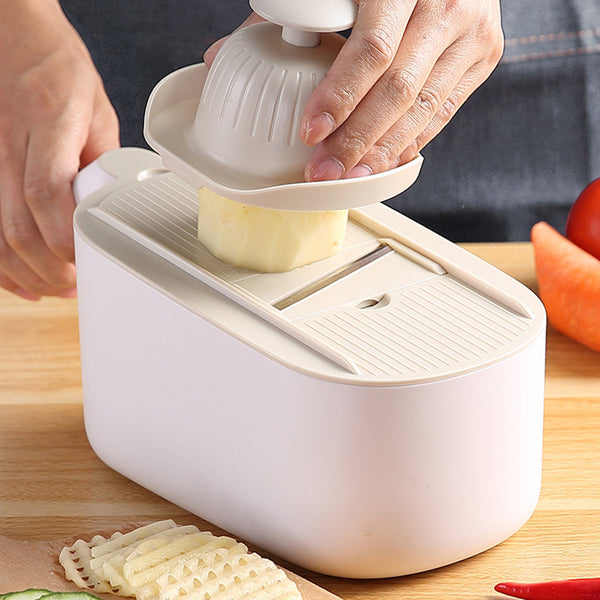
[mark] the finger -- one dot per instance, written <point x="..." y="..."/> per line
<point x="104" y="131"/>
<point x="18" y="276"/>
<point x="24" y="256"/>
<point x="10" y="286"/>
<point x="53" y="156"/>
<point x="15" y="276"/>
<point x="366" y="55"/>
<point x="211" y="52"/>
<point x="472" y="79"/>
<point x="17" y="227"/>
<point x="392" y="96"/>
<point x="443" y="79"/>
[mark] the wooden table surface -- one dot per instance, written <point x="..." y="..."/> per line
<point x="52" y="485"/>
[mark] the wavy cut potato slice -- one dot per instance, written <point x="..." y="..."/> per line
<point x="165" y="561"/>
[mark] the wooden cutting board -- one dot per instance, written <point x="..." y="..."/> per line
<point x="26" y="564"/>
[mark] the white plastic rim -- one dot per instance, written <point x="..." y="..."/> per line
<point x="169" y="120"/>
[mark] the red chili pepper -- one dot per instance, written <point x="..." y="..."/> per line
<point x="570" y="589"/>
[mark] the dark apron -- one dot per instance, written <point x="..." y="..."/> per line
<point x="519" y="150"/>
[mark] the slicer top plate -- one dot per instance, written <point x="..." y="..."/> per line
<point x="169" y="129"/>
<point x="423" y="311"/>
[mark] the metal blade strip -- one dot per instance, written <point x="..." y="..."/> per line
<point x="332" y="277"/>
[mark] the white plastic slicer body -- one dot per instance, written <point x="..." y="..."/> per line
<point x="384" y="423"/>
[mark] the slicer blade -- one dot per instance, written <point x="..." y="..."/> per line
<point x="332" y="277"/>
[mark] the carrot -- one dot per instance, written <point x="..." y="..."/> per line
<point x="569" y="285"/>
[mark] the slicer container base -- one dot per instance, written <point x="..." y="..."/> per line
<point x="428" y="456"/>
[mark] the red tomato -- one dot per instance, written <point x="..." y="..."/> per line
<point x="583" y="222"/>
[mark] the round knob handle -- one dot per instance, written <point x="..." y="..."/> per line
<point x="319" y="16"/>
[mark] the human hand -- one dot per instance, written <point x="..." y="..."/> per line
<point x="55" y="117"/>
<point x="405" y="70"/>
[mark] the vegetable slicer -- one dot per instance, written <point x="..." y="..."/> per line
<point x="373" y="414"/>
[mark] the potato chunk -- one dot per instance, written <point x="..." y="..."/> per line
<point x="267" y="240"/>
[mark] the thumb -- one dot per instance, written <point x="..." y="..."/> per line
<point x="103" y="134"/>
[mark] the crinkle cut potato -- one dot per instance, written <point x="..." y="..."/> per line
<point x="165" y="561"/>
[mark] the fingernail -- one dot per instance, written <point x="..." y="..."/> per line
<point x="358" y="171"/>
<point x="330" y="168"/>
<point x="316" y="129"/>
<point x="26" y="295"/>
<point x="70" y="293"/>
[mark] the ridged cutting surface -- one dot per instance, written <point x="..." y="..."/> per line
<point x="429" y="329"/>
<point x="435" y="327"/>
